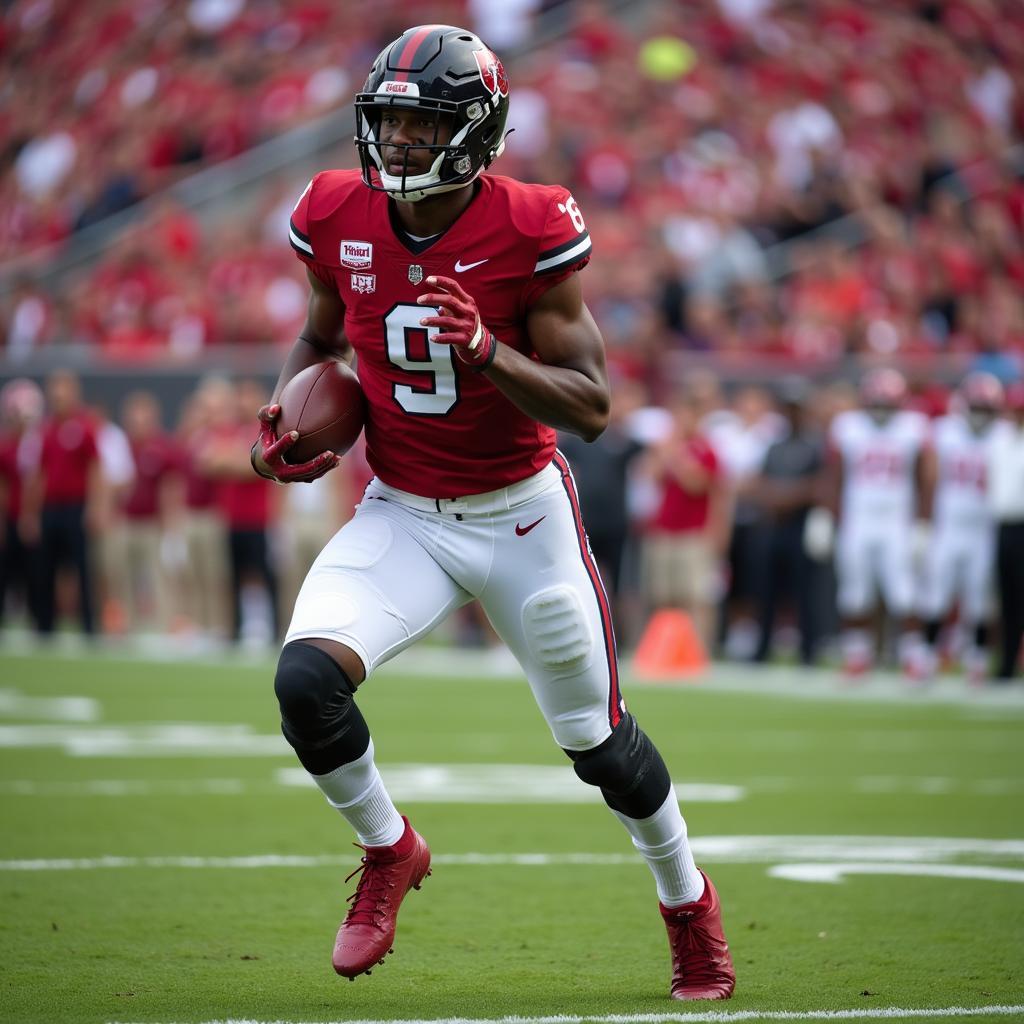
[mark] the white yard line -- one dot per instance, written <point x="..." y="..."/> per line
<point x="701" y="1017"/>
<point x="504" y="784"/>
<point x="424" y="788"/>
<point x="894" y="854"/>
<point x="836" y="873"/>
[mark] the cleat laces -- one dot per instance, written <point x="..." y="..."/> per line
<point x="370" y="900"/>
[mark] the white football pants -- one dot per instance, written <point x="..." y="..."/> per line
<point x="405" y="562"/>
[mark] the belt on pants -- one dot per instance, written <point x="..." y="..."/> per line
<point x="500" y="500"/>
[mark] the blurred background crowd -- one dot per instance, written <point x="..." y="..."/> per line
<point x="775" y="188"/>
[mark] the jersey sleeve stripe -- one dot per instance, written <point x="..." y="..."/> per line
<point x="299" y="244"/>
<point x="564" y="247"/>
<point x="564" y="255"/>
<point x="294" y="228"/>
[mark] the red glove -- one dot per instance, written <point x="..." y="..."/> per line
<point x="268" y="453"/>
<point x="459" y="323"/>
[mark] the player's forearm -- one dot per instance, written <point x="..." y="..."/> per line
<point x="306" y="352"/>
<point x="558" y="396"/>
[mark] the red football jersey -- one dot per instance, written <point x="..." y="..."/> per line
<point x="433" y="426"/>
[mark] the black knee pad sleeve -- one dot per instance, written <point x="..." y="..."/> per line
<point x="628" y="769"/>
<point x="319" y="718"/>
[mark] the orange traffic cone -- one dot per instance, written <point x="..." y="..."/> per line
<point x="670" y="647"/>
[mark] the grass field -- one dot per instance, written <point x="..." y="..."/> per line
<point x="162" y="860"/>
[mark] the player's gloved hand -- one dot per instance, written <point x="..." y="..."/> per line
<point x="458" y="322"/>
<point x="268" y="453"/>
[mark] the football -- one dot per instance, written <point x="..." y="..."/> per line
<point x="325" y="404"/>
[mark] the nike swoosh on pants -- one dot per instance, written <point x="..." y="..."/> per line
<point x="522" y="531"/>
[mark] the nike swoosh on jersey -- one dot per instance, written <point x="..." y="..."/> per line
<point x="461" y="268"/>
<point x="522" y="531"/>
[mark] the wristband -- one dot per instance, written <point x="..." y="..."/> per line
<point x="480" y="352"/>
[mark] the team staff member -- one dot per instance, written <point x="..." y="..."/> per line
<point x="458" y="293"/>
<point x="140" y="571"/>
<point x="61" y="499"/>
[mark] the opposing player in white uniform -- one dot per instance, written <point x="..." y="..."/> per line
<point x="876" y="452"/>
<point x="458" y="294"/>
<point x="961" y="557"/>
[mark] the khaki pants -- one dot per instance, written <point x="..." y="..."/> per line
<point x="299" y="541"/>
<point x="204" y="585"/>
<point x="139" y="579"/>
<point x="679" y="572"/>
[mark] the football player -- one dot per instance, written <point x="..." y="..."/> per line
<point x="876" y="454"/>
<point x="961" y="557"/>
<point x="458" y="294"/>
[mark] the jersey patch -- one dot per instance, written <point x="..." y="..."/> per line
<point x="356" y="255"/>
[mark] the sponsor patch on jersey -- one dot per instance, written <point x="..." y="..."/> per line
<point x="366" y="284"/>
<point x="492" y="73"/>
<point x="356" y="255"/>
<point x="399" y="89"/>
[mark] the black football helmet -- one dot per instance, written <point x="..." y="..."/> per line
<point x="444" y="71"/>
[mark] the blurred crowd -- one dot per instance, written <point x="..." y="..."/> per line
<point x="881" y="141"/>
<point x="840" y="524"/>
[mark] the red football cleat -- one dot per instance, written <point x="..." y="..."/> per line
<point x="701" y="964"/>
<point x="388" y="873"/>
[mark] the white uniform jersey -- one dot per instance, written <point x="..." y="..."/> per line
<point x="961" y="558"/>
<point x="878" y="467"/>
<point x="961" y="490"/>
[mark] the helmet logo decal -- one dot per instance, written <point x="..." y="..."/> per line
<point x="492" y="73"/>
<point x="390" y="88"/>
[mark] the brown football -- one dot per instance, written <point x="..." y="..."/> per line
<point x="325" y="404"/>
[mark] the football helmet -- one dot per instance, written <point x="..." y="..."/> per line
<point x="883" y="388"/>
<point x="445" y="72"/>
<point x="982" y="396"/>
<point x="981" y="390"/>
<point x="882" y="392"/>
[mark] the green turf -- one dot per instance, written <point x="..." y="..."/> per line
<point x="179" y="944"/>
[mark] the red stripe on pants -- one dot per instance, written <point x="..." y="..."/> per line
<point x="614" y="696"/>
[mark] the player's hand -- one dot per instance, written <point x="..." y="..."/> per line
<point x="268" y="453"/>
<point x="458" y="322"/>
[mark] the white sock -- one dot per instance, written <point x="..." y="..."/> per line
<point x="357" y="791"/>
<point x="661" y="840"/>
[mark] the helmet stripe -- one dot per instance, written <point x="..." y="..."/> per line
<point x="407" y="57"/>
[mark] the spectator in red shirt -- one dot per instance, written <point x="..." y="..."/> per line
<point x="21" y="406"/>
<point x="204" y="576"/>
<point x="141" y="574"/>
<point x="684" y="539"/>
<point x="245" y="503"/>
<point x="61" y="498"/>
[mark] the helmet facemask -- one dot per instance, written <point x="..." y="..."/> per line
<point x="453" y="164"/>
